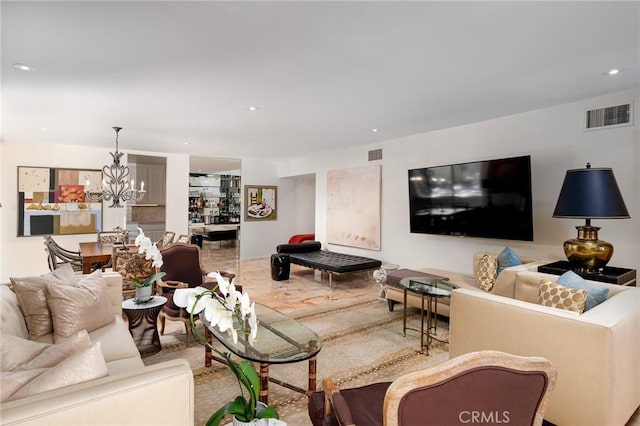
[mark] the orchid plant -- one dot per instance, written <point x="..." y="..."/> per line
<point x="230" y="311"/>
<point x="151" y="252"/>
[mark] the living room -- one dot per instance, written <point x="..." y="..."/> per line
<point x="550" y="128"/>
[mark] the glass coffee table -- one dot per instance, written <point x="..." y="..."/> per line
<point x="429" y="290"/>
<point x="281" y="340"/>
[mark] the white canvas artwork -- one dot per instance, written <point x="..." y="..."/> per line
<point x="353" y="207"/>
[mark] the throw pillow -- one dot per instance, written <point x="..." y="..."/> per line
<point x="84" y="307"/>
<point x="595" y="294"/>
<point x="81" y="366"/>
<point x="507" y="258"/>
<point x="18" y="354"/>
<point x="30" y="292"/>
<point x="557" y="296"/>
<point x="486" y="272"/>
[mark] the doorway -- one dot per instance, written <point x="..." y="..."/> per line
<point x="214" y="207"/>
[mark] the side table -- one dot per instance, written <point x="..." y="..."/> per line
<point x="609" y="274"/>
<point x="425" y="288"/>
<point x="143" y="323"/>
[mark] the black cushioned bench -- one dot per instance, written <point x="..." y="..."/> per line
<point x="311" y="255"/>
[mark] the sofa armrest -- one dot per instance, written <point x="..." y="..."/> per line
<point x="596" y="353"/>
<point x="160" y="394"/>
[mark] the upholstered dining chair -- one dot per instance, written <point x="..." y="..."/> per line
<point x="57" y="255"/>
<point x="183" y="267"/>
<point x="167" y="238"/>
<point x="489" y="385"/>
<point x="130" y="264"/>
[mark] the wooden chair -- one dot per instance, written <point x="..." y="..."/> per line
<point x="167" y="238"/>
<point x="183" y="238"/>
<point x="130" y="264"/>
<point x="113" y="237"/>
<point x="57" y="255"/>
<point x="183" y="266"/>
<point x="494" y="386"/>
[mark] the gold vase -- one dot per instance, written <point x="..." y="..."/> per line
<point x="587" y="253"/>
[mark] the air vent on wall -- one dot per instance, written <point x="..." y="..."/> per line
<point x="375" y="154"/>
<point x="606" y="117"/>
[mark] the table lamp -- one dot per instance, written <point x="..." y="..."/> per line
<point x="589" y="194"/>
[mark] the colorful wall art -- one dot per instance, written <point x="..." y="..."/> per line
<point x="260" y="202"/>
<point x="51" y="201"/>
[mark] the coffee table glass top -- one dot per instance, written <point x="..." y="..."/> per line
<point x="427" y="286"/>
<point x="281" y="339"/>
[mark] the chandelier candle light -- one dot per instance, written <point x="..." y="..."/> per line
<point x="116" y="186"/>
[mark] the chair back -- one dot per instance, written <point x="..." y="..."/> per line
<point x="113" y="237"/>
<point x="181" y="262"/>
<point x="167" y="238"/>
<point x="488" y="386"/>
<point x="56" y="255"/>
<point x="130" y="264"/>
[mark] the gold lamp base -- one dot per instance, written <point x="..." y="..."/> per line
<point x="587" y="253"/>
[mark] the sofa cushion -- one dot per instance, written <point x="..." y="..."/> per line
<point x="486" y="271"/>
<point x="506" y="259"/>
<point x="81" y="366"/>
<point x="11" y="317"/>
<point x="32" y="299"/>
<point x="595" y="294"/>
<point x="116" y="341"/>
<point x="18" y="354"/>
<point x="85" y="306"/>
<point x="557" y="296"/>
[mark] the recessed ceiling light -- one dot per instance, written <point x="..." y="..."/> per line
<point x="23" y="67"/>
<point x="374" y="130"/>
<point x="253" y="108"/>
<point x="185" y="143"/>
<point x="44" y="129"/>
<point x="614" y="71"/>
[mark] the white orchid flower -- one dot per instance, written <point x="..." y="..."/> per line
<point x="253" y="323"/>
<point x="245" y="304"/>
<point x="186" y="298"/>
<point x="140" y="237"/>
<point x="234" y="335"/>
<point x="223" y="283"/>
<point x="214" y="311"/>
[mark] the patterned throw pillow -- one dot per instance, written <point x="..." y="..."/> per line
<point x="557" y="296"/>
<point x="486" y="272"/>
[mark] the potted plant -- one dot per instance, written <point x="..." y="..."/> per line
<point x="151" y="252"/>
<point x="232" y="312"/>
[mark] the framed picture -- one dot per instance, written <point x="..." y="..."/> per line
<point x="51" y="201"/>
<point x="260" y="202"/>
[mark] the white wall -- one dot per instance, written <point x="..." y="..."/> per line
<point x="259" y="239"/>
<point x="556" y="142"/>
<point x="304" y="199"/>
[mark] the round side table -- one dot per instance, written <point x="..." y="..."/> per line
<point x="143" y="323"/>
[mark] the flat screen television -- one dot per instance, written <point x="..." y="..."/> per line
<point x="487" y="199"/>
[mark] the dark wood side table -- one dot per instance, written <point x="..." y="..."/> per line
<point x="609" y="274"/>
<point x="143" y="323"/>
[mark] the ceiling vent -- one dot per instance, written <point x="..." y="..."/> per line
<point x="607" y="117"/>
<point x="375" y="154"/>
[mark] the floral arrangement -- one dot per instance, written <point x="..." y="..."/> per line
<point x="232" y="312"/>
<point x="151" y="252"/>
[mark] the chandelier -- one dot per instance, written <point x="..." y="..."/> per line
<point x="115" y="183"/>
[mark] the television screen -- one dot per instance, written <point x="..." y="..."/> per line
<point x="490" y="199"/>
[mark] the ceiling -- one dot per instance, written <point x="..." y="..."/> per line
<point x="180" y="76"/>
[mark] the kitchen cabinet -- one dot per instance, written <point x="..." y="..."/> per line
<point x="153" y="176"/>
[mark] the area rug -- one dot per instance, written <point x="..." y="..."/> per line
<point x="362" y="342"/>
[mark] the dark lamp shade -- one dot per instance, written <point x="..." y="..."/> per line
<point x="590" y="194"/>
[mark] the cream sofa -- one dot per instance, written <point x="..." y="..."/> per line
<point x="597" y="353"/>
<point x="131" y="394"/>
<point x="504" y="285"/>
